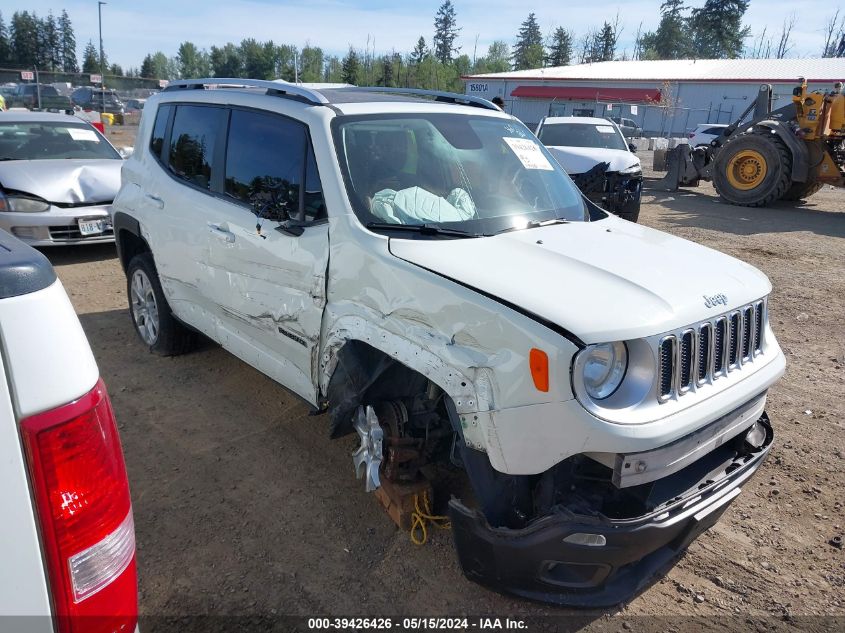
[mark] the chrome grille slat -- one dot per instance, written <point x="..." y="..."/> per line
<point x="693" y="357"/>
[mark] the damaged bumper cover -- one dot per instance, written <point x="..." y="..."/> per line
<point x="582" y="559"/>
<point x="610" y="189"/>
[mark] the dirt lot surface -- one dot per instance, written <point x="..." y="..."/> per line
<point x="244" y="506"/>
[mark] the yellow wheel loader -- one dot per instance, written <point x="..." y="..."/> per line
<point x="783" y="154"/>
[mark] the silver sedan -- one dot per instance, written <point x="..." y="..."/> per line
<point x="58" y="178"/>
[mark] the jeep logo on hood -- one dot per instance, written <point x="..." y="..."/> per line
<point x="714" y="300"/>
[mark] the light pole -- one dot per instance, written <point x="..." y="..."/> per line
<point x="100" y="4"/>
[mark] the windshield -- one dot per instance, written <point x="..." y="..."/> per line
<point x="476" y="174"/>
<point x="582" y="135"/>
<point x="40" y="140"/>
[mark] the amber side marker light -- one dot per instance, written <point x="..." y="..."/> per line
<point x="538" y="360"/>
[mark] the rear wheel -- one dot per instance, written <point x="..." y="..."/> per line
<point x="801" y="190"/>
<point x="154" y="323"/>
<point x="753" y="170"/>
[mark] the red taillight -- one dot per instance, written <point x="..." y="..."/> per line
<point x="85" y="513"/>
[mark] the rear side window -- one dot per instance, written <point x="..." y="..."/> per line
<point x="193" y="139"/>
<point x="266" y="163"/>
<point x="159" y="129"/>
<point x="714" y="130"/>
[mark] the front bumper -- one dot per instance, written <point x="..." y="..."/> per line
<point x="609" y="189"/>
<point x="536" y="562"/>
<point x="58" y="226"/>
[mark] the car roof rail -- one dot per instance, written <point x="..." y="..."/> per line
<point x="276" y="87"/>
<point x="441" y="96"/>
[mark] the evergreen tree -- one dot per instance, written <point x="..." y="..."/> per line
<point x="51" y="43"/>
<point x="5" y="45"/>
<point x="24" y="39"/>
<point x="603" y="47"/>
<point x="90" y="59"/>
<point x="528" y="51"/>
<point x="420" y="52"/>
<point x="445" y="33"/>
<point x="560" y="48"/>
<point x="671" y="40"/>
<point x="116" y="70"/>
<point x="67" y="44"/>
<point x="386" y="72"/>
<point x="717" y="30"/>
<point x="351" y="67"/>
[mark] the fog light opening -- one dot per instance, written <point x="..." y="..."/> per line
<point x="582" y="538"/>
<point x="756" y="436"/>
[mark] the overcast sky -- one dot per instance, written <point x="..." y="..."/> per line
<point x="131" y="29"/>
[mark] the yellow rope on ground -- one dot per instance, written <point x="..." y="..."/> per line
<point x="421" y="517"/>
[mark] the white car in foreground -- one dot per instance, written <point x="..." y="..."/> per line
<point x="597" y="156"/>
<point x="67" y="538"/>
<point x="424" y="272"/>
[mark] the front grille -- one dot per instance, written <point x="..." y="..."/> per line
<point x="702" y="353"/>
<point x="71" y="232"/>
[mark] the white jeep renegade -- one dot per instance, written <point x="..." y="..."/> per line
<point x="420" y="268"/>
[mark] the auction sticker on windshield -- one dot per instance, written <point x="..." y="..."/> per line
<point x="528" y="153"/>
<point x="81" y="134"/>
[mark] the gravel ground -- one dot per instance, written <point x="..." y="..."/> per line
<point x="244" y="506"/>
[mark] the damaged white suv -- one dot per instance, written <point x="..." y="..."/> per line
<point x="420" y="268"/>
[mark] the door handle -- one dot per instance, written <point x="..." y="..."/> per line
<point x="158" y="202"/>
<point x="221" y="234"/>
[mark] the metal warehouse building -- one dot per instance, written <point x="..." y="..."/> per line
<point x="665" y="97"/>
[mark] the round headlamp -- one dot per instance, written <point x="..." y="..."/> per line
<point x="604" y="368"/>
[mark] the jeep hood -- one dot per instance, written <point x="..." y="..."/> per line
<point x="602" y="281"/>
<point x="577" y="160"/>
<point x="65" y="181"/>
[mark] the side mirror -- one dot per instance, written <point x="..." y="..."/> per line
<point x="125" y="152"/>
<point x="632" y="148"/>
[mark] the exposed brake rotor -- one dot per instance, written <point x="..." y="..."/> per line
<point x="367" y="458"/>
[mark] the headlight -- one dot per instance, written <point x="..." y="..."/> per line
<point x="22" y="204"/>
<point x="604" y="368"/>
<point x="632" y="170"/>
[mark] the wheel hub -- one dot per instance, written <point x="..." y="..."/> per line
<point x="367" y="459"/>
<point x="746" y="169"/>
<point x="144" y="307"/>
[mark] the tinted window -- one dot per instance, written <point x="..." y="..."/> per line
<point x="714" y="130"/>
<point x="265" y="159"/>
<point x="160" y="127"/>
<point x="315" y="206"/>
<point x="193" y="139"/>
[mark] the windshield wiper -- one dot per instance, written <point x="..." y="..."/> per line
<point x="422" y="229"/>
<point x="533" y="224"/>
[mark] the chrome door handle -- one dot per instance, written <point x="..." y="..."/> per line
<point x="155" y="200"/>
<point x="221" y="234"/>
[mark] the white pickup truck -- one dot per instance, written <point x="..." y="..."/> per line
<point x="67" y="538"/>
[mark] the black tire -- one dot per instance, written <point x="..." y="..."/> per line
<point x="169" y="337"/>
<point x="775" y="183"/>
<point x="629" y="211"/>
<point x="801" y="190"/>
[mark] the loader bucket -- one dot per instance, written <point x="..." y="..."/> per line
<point x="685" y="168"/>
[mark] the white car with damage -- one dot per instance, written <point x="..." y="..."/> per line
<point x="598" y="157"/>
<point x="424" y="272"/>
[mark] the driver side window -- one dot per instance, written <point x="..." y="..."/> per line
<point x="268" y="160"/>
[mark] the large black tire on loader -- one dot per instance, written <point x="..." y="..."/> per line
<point x="753" y="170"/>
<point x="801" y="190"/>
